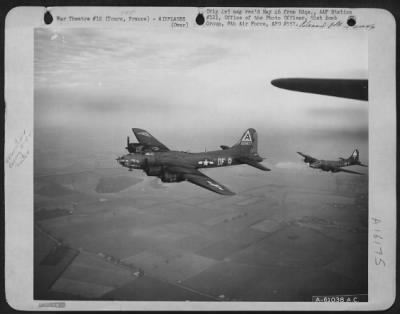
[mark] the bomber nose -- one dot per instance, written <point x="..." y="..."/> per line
<point x="121" y="160"/>
<point x="129" y="161"/>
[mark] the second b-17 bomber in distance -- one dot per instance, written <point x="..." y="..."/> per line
<point x="334" y="165"/>
<point x="157" y="160"/>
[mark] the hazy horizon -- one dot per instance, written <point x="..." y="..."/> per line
<point x="197" y="89"/>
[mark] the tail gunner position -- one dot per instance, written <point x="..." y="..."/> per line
<point x="155" y="159"/>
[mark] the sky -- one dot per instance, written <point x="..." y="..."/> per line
<point x="198" y="88"/>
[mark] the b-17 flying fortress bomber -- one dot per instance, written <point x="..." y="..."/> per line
<point x="334" y="165"/>
<point x="155" y="159"/>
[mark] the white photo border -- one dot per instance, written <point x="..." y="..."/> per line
<point x="19" y="43"/>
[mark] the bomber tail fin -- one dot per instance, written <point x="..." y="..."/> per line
<point x="355" y="159"/>
<point x="248" y="143"/>
<point x="355" y="155"/>
<point x="248" y="148"/>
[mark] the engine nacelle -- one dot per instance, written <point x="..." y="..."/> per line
<point x="152" y="167"/>
<point x="154" y="170"/>
<point x="172" y="177"/>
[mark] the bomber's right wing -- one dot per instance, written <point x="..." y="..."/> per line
<point x="308" y="159"/>
<point x="202" y="180"/>
<point x="196" y="177"/>
<point x="149" y="140"/>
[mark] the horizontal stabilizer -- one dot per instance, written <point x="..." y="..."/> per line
<point x="254" y="164"/>
<point x="224" y="147"/>
<point x="349" y="171"/>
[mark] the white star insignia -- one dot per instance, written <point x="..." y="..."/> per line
<point x="205" y="162"/>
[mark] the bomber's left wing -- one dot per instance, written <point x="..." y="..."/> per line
<point x="349" y="171"/>
<point x="307" y="159"/>
<point x="196" y="177"/>
<point x="149" y="140"/>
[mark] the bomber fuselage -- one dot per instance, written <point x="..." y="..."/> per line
<point x="330" y="165"/>
<point x="211" y="159"/>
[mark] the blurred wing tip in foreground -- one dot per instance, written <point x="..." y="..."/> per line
<point x="345" y="88"/>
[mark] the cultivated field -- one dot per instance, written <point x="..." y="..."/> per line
<point x="145" y="240"/>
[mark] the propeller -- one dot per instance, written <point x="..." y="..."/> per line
<point x="127" y="142"/>
<point x="120" y="160"/>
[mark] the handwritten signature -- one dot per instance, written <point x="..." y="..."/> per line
<point x="19" y="152"/>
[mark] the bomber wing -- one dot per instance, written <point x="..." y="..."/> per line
<point x="347" y="88"/>
<point x="308" y="159"/>
<point x="149" y="140"/>
<point x="196" y="177"/>
<point x="349" y="171"/>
